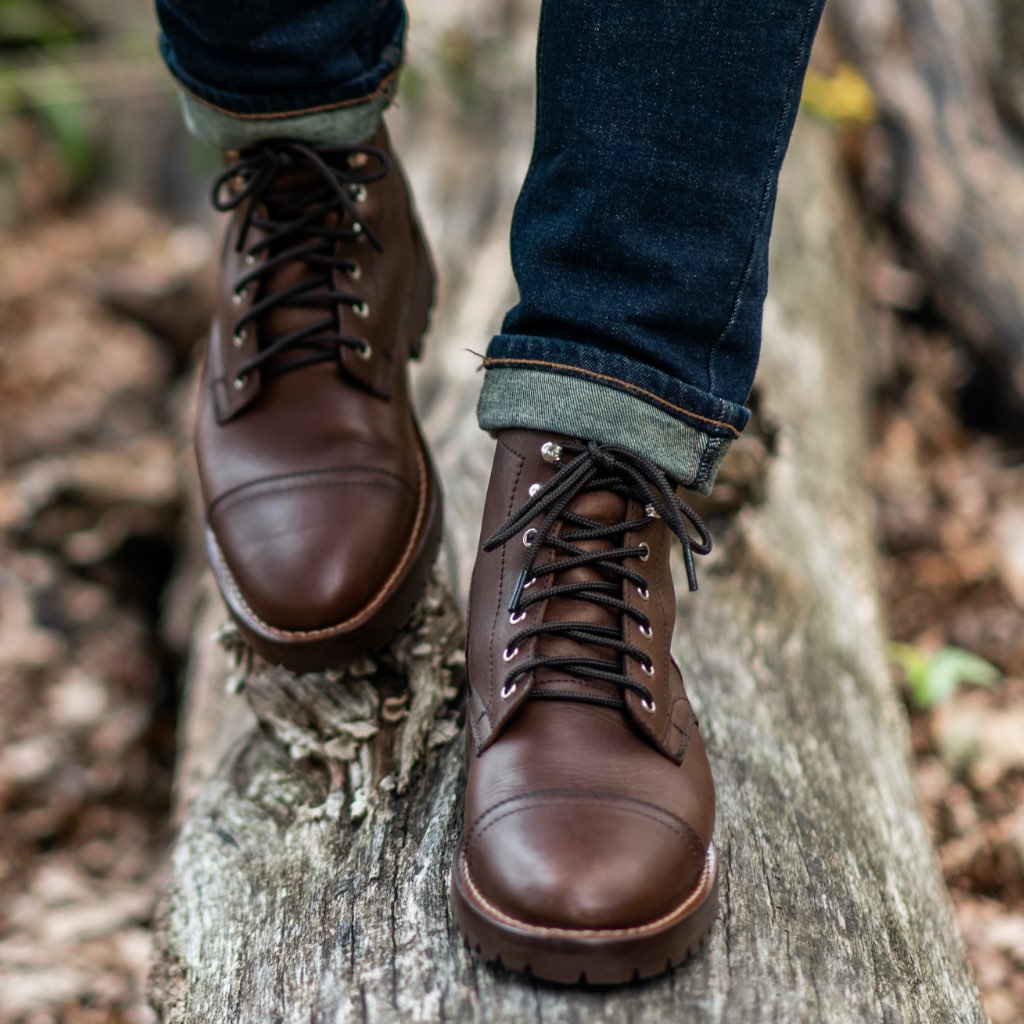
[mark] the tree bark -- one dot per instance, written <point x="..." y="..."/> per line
<point x="320" y="814"/>
<point x="945" y="159"/>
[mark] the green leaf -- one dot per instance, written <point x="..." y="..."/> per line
<point x="933" y="678"/>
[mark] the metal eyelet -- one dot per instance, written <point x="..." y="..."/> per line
<point x="507" y="655"/>
<point x="648" y="706"/>
<point x="651" y="512"/>
<point x="240" y="338"/>
<point x="647" y="632"/>
<point x="238" y="296"/>
<point x="239" y="382"/>
<point x="550" y="452"/>
<point x="647" y="667"/>
<point x="354" y="271"/>
<point x="250" y="260"/>
<point x="357" y="228"/>
<point x="508" y="689"/>
<point x="514" y="619"/>
<point x="361" y="310"/>
<point x="528" y="537"/>
<point x="534" y="488"/>
<point x="644" y="593"/>
<point x="364" y="350"/>
<point x="529" y="583"/>
<point x="358" y="193"/>
<point x="647" y="551"/>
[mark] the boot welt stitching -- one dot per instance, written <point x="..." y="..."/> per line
<point x="366" y="611"/>
<point x="698" y="893"/>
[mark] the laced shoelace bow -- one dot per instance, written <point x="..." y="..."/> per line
<point x="296" y="227"/>
<point x="595" y="467"/>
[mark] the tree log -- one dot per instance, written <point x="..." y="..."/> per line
<point x="945" y="159"/>
<point x="320" y="813"/>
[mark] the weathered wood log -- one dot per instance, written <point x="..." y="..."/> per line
<point x="320" y="814"/>
<point x="946" y="157"/>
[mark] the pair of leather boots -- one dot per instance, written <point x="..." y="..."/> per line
<point x="586" y="850"/>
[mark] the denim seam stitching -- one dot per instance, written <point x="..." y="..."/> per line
<point x="497" y="361"/>
<point x="379" y="91"/>
<point x="705" y="460"/>
<point x="766" y="192"/>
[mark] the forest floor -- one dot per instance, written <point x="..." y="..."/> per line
<point x="101" y="303"/>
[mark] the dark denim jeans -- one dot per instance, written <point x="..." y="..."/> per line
<point x="640" y="239"/>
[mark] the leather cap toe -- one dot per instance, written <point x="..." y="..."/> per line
<point x="311" y="551"/>
<point x="583" y="862"/>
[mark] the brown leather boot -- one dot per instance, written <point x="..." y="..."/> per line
<point x="323" y="508"/>
<point x="586" y="851"/>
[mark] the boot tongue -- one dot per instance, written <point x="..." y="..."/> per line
<point x="282" y="203"/>
<point x="600" y="507"/>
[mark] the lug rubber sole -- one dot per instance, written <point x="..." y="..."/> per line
<point x="369" y="629"/>
<point x="610" y="956"/>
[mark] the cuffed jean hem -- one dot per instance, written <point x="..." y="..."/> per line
<point x="348" y="122"/>
<point x="353" y="85"/>
<point x="519" y="397"/>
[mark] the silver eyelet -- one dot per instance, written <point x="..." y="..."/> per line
<point x="364" y="350"/>
<point x="507" y="655"/>
<point x="528" y="537"/>
<point x="550" y="452"/>
<point x="239" y="296"/>
<point x="358" y="193"/>
<point x="647" y="551"/>
<point x="534" y="488"/>
<point x="239" y="338"/>
<point x="529" y="583"/>
<point x="651" y="512"/>
<point x="644" y="593"/>
<point x="240" y="381"/>
<point x="357" y="228"/>
<point x="647" y="667"/>
<point x="508" y="689"/>
<point x="647" y="632"/>
<point x="648" y="706"/>
<point x="354" y="271"/>
<point x="249" y="259"/>
<point x="361" y="310"/>
<point x="514" y="619"/>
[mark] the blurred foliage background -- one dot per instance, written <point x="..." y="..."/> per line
<point x="106" y="267"/>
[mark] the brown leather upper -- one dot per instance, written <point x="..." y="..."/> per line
<point x="315" y="479"/>
<point x="578" y="815"/>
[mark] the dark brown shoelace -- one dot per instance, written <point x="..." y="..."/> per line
<point x="594" y="467"/>
<point x="296" y="227"/>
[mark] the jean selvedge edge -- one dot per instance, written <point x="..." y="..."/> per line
<point x="518" y="394"/>
<point x="344" y="123"/>
<point x="619" y="369"/>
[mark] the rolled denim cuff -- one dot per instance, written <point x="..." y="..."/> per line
<point x="347" y="122"/>
<point x="573" y="404"/>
